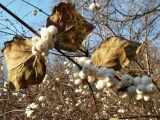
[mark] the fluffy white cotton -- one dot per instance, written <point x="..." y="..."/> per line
<point x="146" y="97"/>
<point x="91" y="79"/>
<point x="88" y="61"/>
<point x="131" y="90"/>
<point x="151" y="88"/>
<point x="137" y="81"/>
<point x="52" y="29"/>
<point x="46" y="35"/>
<point x="78" y="81"/>
<point x="100" y="84"/>
<point x="98" y="6"/>
<point x="76" y="75"/>
<point x="139" y="97"/>
<point x="35" y="39"/>
<point x="82" y="75"/>
<point x="6" y="84"/>
<point x="29" y="113"/>
<point x="41" y="46"/>
<point x="140" y="89"/>
<point x="126" y="80"/>
<point x="82" y="60"/>
<point x="146" y="80"/>
<point x="92" y="6"/>
<point x="109" y="84"/>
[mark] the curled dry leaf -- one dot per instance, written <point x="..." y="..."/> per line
<point x="115" y="52"/>
<point x="24" y="69"/>
<point x="72" y="27"/>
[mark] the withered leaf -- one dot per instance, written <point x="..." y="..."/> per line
<point x="116" y="52"/>
<point x="24" y="69"/>
<point x="65" y="16"/>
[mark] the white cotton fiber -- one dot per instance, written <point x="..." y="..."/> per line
<point x="52" y="29"/>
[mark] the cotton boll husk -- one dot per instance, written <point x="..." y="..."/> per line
<point x="92" y="6"/>
<point x="151" y="88"/>
<point x="41" y="46"/>
<point x="100" y="84"/>
<point x="137" y="81"/>
<point x="82" y="75"/>
<point x="131" y="90"/>
<point x="139" y="97"/>
<point x="35" y="39"/>
<point x="78" y="81"/>
<point x="52" y="29"/>
<point x="34" y="51"/>
<point x="91" y="79"/>
<point x="146" y="97"/>
<point x="140" y="89"/>
<point x="146" y="80"/>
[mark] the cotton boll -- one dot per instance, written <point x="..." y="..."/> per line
<point x="82" y="60"/>
<point x="146" y="97"/>
<point x="77" y="81"/>
<point x="91" y="79"/>
<point x="131" y="90"/>
<point x="82" y="75"/>
<point x="88" y="61"/>
<point x="151" y="88"/>
<point x="137" y="81"/>
<point x="98" y="6"/>
<point x="146" y="80"/>
<point x="92" y="70"/>
<point x="29" y="113"/>
<point x="92" y="6"/>
<point x="52" y="29"/>
<point x="86" y="69"/>
<point x="100" y="84"/>
<point x="45" y="35"/>
<point x="126" y="81"/>
<point x="140" y="89"/>
<point x="109" y="84"/>
<point x="41" y="46"/>
<point x="76" y="75"/>
<point x="139" y="97"/>
<point x="35" y="39"/>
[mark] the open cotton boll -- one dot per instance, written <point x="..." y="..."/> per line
<point x="34" y="51"/>
<point x="45" y="35"/>
<point x="35" y="39"/>
<point x="110" y="83"/>
<point x="131" y="90"/>
<point x="82" y="75"/>
<point x="139" y="96"/>
<point x="91" y="79"/>
<point x="137" y="81"/>
<point x="151" y="88"/>
<point x="86" y="69"/>
<point x="140" y="89"/>
<point x="146" y="97"/>
<point x="126" y="80"/>
<point x="76" y="75"/>
<point x="98" y="6"/>
<point x="88" y="61"/>
<point x="146" y="80"/>
<point x="92" y="6"/>
<point x="78" y="81"/>
<point x="82" y="60"/>
<point x="52" y="29"/>
<point x="41" y="46"/>
<point x="100" y="84"/>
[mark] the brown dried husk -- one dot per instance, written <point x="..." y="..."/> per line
<point x="24" y="69"/>
<point x="72" y="27"/>
<point x="116" y="52"/>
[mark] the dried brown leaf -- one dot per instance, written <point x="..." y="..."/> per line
<point x="24" y="69"/>
<point x="72" y="27"/>
<point x="116" y="52"/>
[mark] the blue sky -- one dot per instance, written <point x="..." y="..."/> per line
<point x="22" y="9"/>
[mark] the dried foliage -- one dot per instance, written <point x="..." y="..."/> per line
<point x="115" y="52"/>
<point x="73" y="28"/>
<point x="23" y="68"/>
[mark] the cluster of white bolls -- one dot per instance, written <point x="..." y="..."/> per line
<point x="139" y="87"/>
<point x="94" y="6"/>
<point x="101" y="77"/>
<point x="30" y="109"/>
<point x="42" y="45"/>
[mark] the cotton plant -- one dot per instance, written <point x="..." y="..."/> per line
<point x="141" y="88"/>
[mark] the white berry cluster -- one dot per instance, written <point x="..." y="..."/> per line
<point x="140" y="87"/>
<point x="42" y="45"/>
<point x="101" y="77"/>
<point x="30" y="109"/>
<point x="94" y="6"/>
